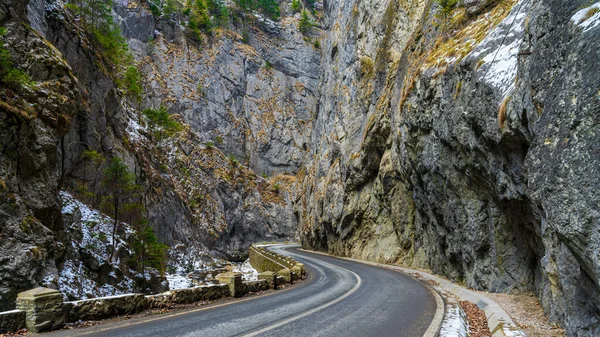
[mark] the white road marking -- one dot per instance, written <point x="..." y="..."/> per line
<point x="312" y="311"/>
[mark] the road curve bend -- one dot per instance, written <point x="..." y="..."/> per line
<point x="339" y="298"/>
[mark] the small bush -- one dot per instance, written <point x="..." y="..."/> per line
<point x="209" y="145"/>
<point x="317" y="44"/>
<point x="502" y="111"/>
<point x="296" y="6"/>
<point x="591" y="12"/>
<point x="161" y="123"/>
<point x="306" y="23"/>
<point x="245" y="36"/>
<point x="10" y="75"/>
<point x="233" y="160"/>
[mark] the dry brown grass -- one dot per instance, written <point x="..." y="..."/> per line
<point x="502" y="111"/>
<point x="16" y="111"/>
<point x="591" y="12"/>
<point x="457" y="91"/>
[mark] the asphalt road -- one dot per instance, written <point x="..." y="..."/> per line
<point x="339" y="298"/>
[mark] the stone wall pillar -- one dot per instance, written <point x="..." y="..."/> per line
<point x="268" y="275"/>
<point x="234" y="281"/>
<point x="43" y="309"/>
<point x="286" y="274"/>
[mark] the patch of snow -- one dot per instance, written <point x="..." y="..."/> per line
<point x="184" y="259"/>
<point x="95" y="231"/>
<point x="134" y="130"/>
<point x="499" y="50"/>
<point x="10" y="312"/>
<point x="589" y="23"/>
<point x="454" y="323"/>
<point x="248" y="272"/>
<point x="102" y="298"/>
<point x="177" y="281"/>
<point x="95" y="227"/>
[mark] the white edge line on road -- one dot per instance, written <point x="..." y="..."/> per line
<point x="312" y="311"/>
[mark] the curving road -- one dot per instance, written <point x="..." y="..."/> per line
<point x="339" y="298"/>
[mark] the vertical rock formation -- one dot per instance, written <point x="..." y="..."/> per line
<point x="466" y="144"/>
<point x="246" y="107"/>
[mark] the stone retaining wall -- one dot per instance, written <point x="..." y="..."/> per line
<point x="106" y="307"/>
<point x="263" y="260"/>
<point x="43" y="309"/>
<point x="270" y="265"/>
<point x="11" y="321"/>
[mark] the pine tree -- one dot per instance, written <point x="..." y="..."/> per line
<point x="120" y="185"/>
<point x="92" y="161"/>
<point x="270" y="8"/>
<point x="306" y="23"/>
<point x="160" y="123"/>
<point x="150" y="252"/>
<point x="296" y="6"/>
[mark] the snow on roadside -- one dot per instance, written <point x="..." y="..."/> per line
<point x="248" y="272"/>
<point x="177" y="281"/>
<point x="454" y="323"/>
<point x="590" y="22"/>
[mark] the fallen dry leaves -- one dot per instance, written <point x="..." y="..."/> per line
<point x="478" y="325"/>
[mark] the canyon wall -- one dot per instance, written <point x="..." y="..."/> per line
<point x="464" y="143"/>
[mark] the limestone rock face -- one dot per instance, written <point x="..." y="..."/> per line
<point x="478" y="160"/>
<point x="29" y="163"/>
<point x="253" y="101"/>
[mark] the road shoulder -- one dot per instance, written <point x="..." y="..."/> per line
<point x="499" y="322"/>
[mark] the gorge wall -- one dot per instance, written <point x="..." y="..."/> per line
<point x="461" y="140"/>
<point x="466" y="144"/>
<point x="211" y="190"/>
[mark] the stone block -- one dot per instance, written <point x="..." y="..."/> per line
<point x="234" y="281"/>
<point x="105" y="307"/>
<point x="43" y="309"/>
<point x="297" y="272"/>
<point x="286" y="274"/>
<point x="268" y="276"/>
<point x="256" y="286"/>
<point x="12" y="321"/>
<point x="184" y="296"/>
<point x="162" y="300"/>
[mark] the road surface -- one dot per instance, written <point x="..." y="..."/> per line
<point x="339" y="298"/>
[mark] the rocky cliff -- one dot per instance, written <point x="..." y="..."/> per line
<point x="464" y="141"/>
<point x="457" y="137"/>
<point x="210" y="190"/>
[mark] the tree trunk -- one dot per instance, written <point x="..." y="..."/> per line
<point x="114" y="231"/>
